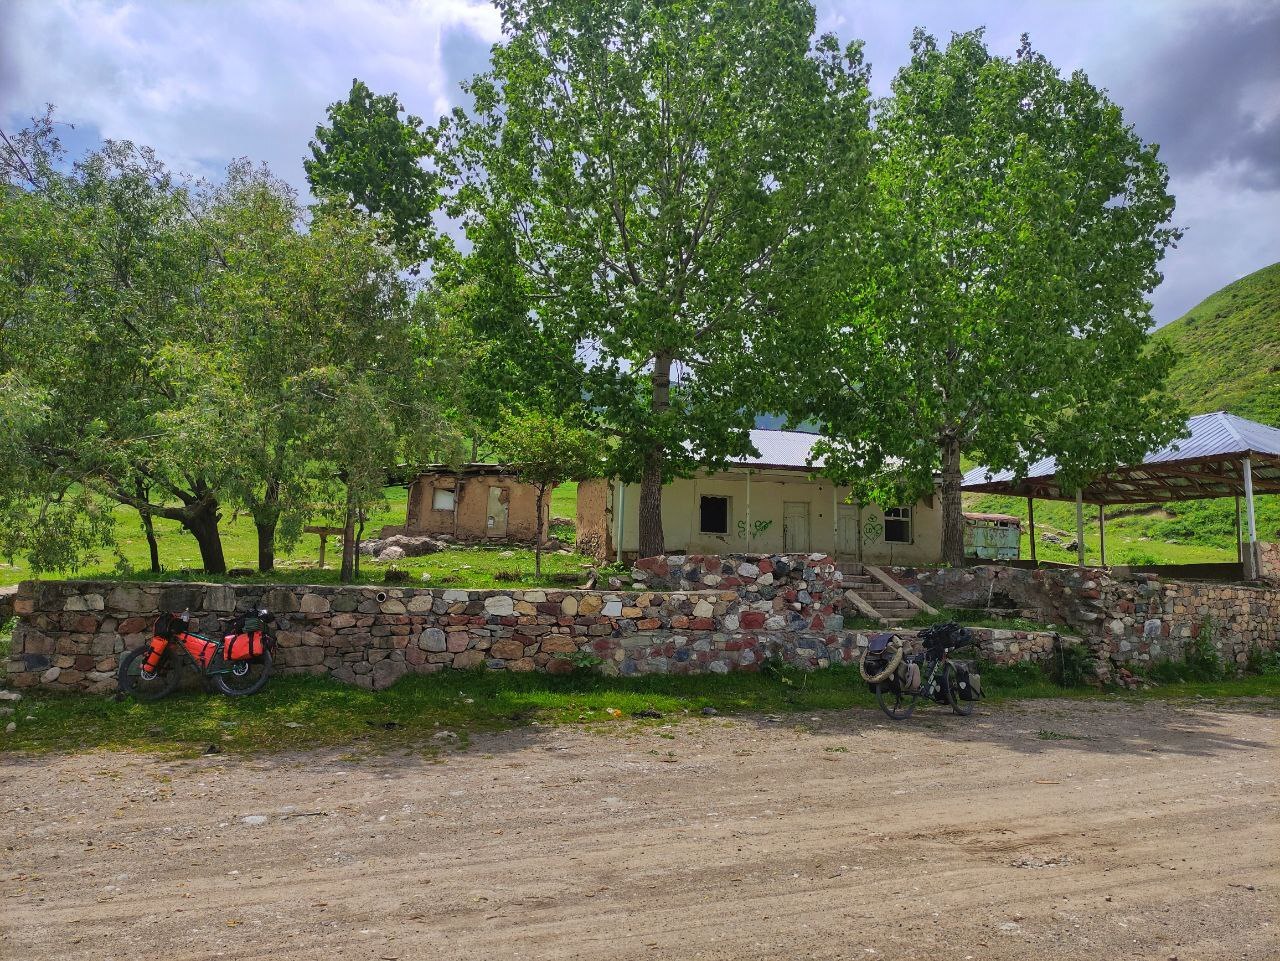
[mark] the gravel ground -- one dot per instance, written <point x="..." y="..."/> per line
<point x="1048" y="829"/>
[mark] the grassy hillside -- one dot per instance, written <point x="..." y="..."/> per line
<point x="1229" y="347"/>
<point x="1229" y="359"/>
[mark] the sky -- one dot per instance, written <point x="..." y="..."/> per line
<point x="205" y="81"/>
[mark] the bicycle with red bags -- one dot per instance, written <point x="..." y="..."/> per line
<point x="237" y="665"/>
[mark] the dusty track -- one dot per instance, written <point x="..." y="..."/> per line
<point x="943" y="838"/>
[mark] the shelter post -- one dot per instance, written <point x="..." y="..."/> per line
<point x="1079" y="527"/>
<point x="1251" y="564"/>
<point x="1102" y="535"/>
<point x="749" y="534"/>
<point x="1031" y="521"/>
<point x="1239" y="537"/>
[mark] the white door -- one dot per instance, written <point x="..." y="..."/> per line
<point x="847" y="546"/>
<point x="497" y="513"/>
<point x="795" y="527"/>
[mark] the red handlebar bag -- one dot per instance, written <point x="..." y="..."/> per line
<point x="243" y="647"/>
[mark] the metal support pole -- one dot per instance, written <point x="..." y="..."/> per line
<point x="1079" y="528"/>
<point x="750" y="532"/>
<point x="1251" y="568"/>
<point x="1239" y="534"/>
<point x="1102" y="535"/>
<point x="1031" y="518"/>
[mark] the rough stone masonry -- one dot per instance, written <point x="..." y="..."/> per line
<point x="740" y="611"/>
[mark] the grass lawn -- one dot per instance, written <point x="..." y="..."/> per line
<point x="303" y="712"/>
<point x="478" y="567"/>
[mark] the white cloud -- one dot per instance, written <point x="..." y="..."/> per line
<point x="204" y="82"/>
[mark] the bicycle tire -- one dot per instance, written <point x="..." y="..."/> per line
<point x="250" y="682"/>
<point x="894" y="703"/>
<point x="951" y="685"/>
<point x="130" y="678"/>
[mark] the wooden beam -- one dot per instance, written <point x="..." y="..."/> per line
<point x="1079" y="528"/>
<point x="1031" y="518"/>
<point x="1102" y="535"/>
<point x="915" y="600"/>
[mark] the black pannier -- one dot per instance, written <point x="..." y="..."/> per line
<point x="970" y="681"/>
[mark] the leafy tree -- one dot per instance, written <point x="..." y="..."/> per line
<point x="545" y="450"/>
<point x="372" y="160"/>
<point x="103" y="267"/>
<point x="999" y="313"/>
<point x="647" y="186"/>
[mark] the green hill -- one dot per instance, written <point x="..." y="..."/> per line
<point x="1229" y="359"/>
<point x="1229" y="347"/>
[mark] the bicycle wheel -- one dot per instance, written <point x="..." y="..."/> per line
<point x="894" y="703"/>
<point x="951" y="685"/>
<point x="243" y="678"/>
<point x="146" y="685"/>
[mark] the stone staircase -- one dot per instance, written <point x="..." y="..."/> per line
<point x="890" y="607"/>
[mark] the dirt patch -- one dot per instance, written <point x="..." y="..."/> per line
<point x="1151" y="831"/>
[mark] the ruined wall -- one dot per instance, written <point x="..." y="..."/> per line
<point x="1128" y="620"/>
<point x="469" y="520"/>
<point x="70" y="634"/>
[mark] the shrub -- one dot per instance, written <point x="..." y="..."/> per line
<point x="1266" y="663"/>
<point x="1201" y="657"/>
<point x="1072" y="665"/>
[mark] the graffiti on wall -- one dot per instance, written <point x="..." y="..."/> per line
<point x="873" y="530"/>
<point x="757" y="528"/>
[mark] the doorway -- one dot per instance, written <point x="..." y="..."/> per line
<point x="496" y="522"/>
<point x="795" y="527"/>
<point x="849" y="541"/>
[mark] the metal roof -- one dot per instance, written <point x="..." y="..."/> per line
<point x="786" y="449"/>
<point x="1204" y="463"/>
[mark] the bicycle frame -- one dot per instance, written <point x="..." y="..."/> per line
<point x="206" y="654"/>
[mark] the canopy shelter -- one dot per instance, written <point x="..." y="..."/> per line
<point x="1222" y="456"/>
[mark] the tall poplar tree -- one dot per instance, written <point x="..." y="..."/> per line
<point x="1000" y="312"/>
<point x="647" y="186"/>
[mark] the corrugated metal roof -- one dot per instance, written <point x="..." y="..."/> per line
<point x="789" y="449"/>
<point x="1216" y="435"/>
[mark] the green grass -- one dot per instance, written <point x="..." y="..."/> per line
<point x="479" y="567"/>
<point x="968" y="619"/>
<point x="1230" y="349"/>
<point x="296" y="713"/>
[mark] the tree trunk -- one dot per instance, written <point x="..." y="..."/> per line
<point x="537" y="537"/>
<point x="348" y="541"/>
<point x="265" y="520"/>
<point x="355" y="557"/>
<point x="153" y="546"/>
<point x="952" y="505"/>
<point x="149" y="528"/>
<point x="652" y="541"/>
<point x="201" y="519"/>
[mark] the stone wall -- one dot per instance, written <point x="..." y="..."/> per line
<point x="1130" y="620"/>
<point x="708" y="614"/>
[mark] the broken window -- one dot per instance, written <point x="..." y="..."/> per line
<point x="713" y="515"/>
<point x="441" y="499"/>
<point x="897" y="525"/>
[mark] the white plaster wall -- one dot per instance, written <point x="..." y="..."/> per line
<point x="770" y="491"/>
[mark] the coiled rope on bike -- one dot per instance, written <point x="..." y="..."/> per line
<point x="892" y="666"/>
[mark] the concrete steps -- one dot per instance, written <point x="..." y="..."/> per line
<point x="892" y="608"/>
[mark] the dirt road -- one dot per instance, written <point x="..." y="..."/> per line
<point x="1043" y="830"/>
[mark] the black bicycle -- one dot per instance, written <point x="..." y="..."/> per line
<point x="238" y="662"/>
<point x="900" y="680"/>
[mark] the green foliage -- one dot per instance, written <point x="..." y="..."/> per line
<point x="1266" y="663"/>
<point x="370" y="159"/>
<point x="1000" y="313"/>
<point x="545" y="450"/>
<point x="1072" y="665"/>
<point x="1203" y="661"/>
<point x="654" y="182"/>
